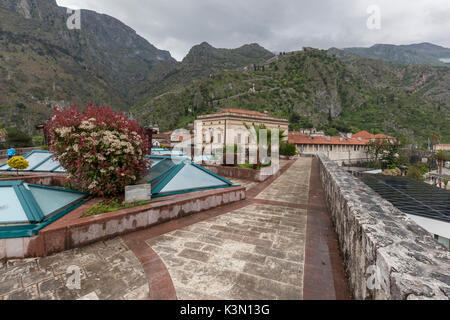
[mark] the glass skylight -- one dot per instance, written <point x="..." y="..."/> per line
<point x="11" y="210"/>
<point x="173" y="176"/>
<point x="59" y="199"/>
<point x="192" y="177"/>
<point x="27" y="208"/>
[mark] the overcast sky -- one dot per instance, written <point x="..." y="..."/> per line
<point x="282" y="25"/>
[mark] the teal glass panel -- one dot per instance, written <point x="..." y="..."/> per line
<point x="36" y="158"/>
<point x="11" y="210"/>
<point x="191" y="177"/>
<point x="154" y="162"/>
<point x="157" y="170"/>
<point x="60" y="170"/>
<point x="51" y="201"/>
<point x="48" y="165"/>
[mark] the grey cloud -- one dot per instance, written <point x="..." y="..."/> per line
<point x="283" y="25"/>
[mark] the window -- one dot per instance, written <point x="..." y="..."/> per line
<point x="219" y="138"/>
<point x="239" y="138"/>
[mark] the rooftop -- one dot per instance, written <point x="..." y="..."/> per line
<point x="360" y="138"/>
<point x="279" y="243"/>
<point x="244" y="113"/>
<point x="299" y="138"/>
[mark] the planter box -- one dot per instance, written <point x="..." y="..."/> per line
<point x="238" y="173"/>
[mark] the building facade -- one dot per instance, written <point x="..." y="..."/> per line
<point x="344" y="149"/>
<point x="443" y="147"/>
<point x="227" y="127"/>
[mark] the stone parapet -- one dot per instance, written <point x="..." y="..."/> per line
<point x="386" y="254"/>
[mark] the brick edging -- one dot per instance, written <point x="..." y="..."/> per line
<point x="322" y="255"/>
<point x="159" y="281"/>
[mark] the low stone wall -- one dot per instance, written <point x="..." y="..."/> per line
<point x="237" y="173"/>
<point x="386" y="254"/>
<point x="51" y="180"/>
<point x="72" y="231"/>
<point x="19" y="152"/>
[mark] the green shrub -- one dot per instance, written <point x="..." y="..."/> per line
<point x="416" y="173"/>
<point x="287" y="149"/>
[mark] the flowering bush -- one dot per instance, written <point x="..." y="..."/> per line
<point x="102" y="150"/>
<point x="18" y="163"/>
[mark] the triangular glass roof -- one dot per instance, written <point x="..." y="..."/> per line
<point x="40" y="161"/>
<point x="169" y="176"/>
<point x="25" y="206"/>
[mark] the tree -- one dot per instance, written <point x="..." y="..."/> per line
<point x="18" y="163"/>
<point x="415" y="173"/>
<point x="103" y="151"/>
<point x="18" y="138"/>
<point x="441" y="157"/>
<point x="255" y="131"/>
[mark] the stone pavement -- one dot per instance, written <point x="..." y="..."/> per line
<point x="261" y="248"/>
<point x="253" y="253"/>
<point x="108" y="271"/>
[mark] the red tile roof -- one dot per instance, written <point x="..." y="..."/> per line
<point x="246" y="112"/>
<point x="367" y="135"/>
<point x="299" y="138"/>
<point x="364" y="135"/>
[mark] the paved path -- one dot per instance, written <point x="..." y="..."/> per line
<point x="256" y="249"/>
<point x="108" y="271"/>
<point x="277" y="244"/>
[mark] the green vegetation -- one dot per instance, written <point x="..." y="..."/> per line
<point x="417" y="172"/>
<point x="17" y="138"/>
<point x="107" y="206"/>
<point x="315" y="89"/>
<point x="287" y="149"/>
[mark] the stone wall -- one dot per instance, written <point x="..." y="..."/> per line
<point x="238" y="173"/>
<point x="73" y="231"/>
<point x="386" y="254"/>
<point x="19" y="152"/>
<point x="51" y="180"/>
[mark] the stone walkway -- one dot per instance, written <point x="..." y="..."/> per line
<point x="257" y="249"/>
<point x="108" y="271"/>
<point x="254" y="253"/>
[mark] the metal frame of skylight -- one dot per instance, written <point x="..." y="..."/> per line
<point x="32" y="169"/>
<point x="166" y="176"/>
<point x="37" y="220"/>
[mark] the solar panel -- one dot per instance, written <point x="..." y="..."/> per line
<point x="412" y="197"/>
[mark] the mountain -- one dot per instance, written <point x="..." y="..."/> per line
<point x="201" y="62"/>
<point x="43" y="63"/>
<point x="423" y="53"/>
<point x="311" y="86"/>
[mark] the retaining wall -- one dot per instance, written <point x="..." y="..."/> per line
<point x="19" y="151"/>
<point x="238" y="173"/>
<point x="386" y="254"/>
<point x="72" y="231"/>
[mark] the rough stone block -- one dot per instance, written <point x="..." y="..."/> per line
<point x="142" y="192"/>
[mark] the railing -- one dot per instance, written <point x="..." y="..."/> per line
<point x="19" y="151"/>
<point x="386" y="254"/>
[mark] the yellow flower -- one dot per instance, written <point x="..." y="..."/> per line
<point x="18" y="163"/>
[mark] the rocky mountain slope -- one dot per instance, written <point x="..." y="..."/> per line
<point x="422" y="53"/>
<point x="43" y="62"/>
<point x="315" y="87"/>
